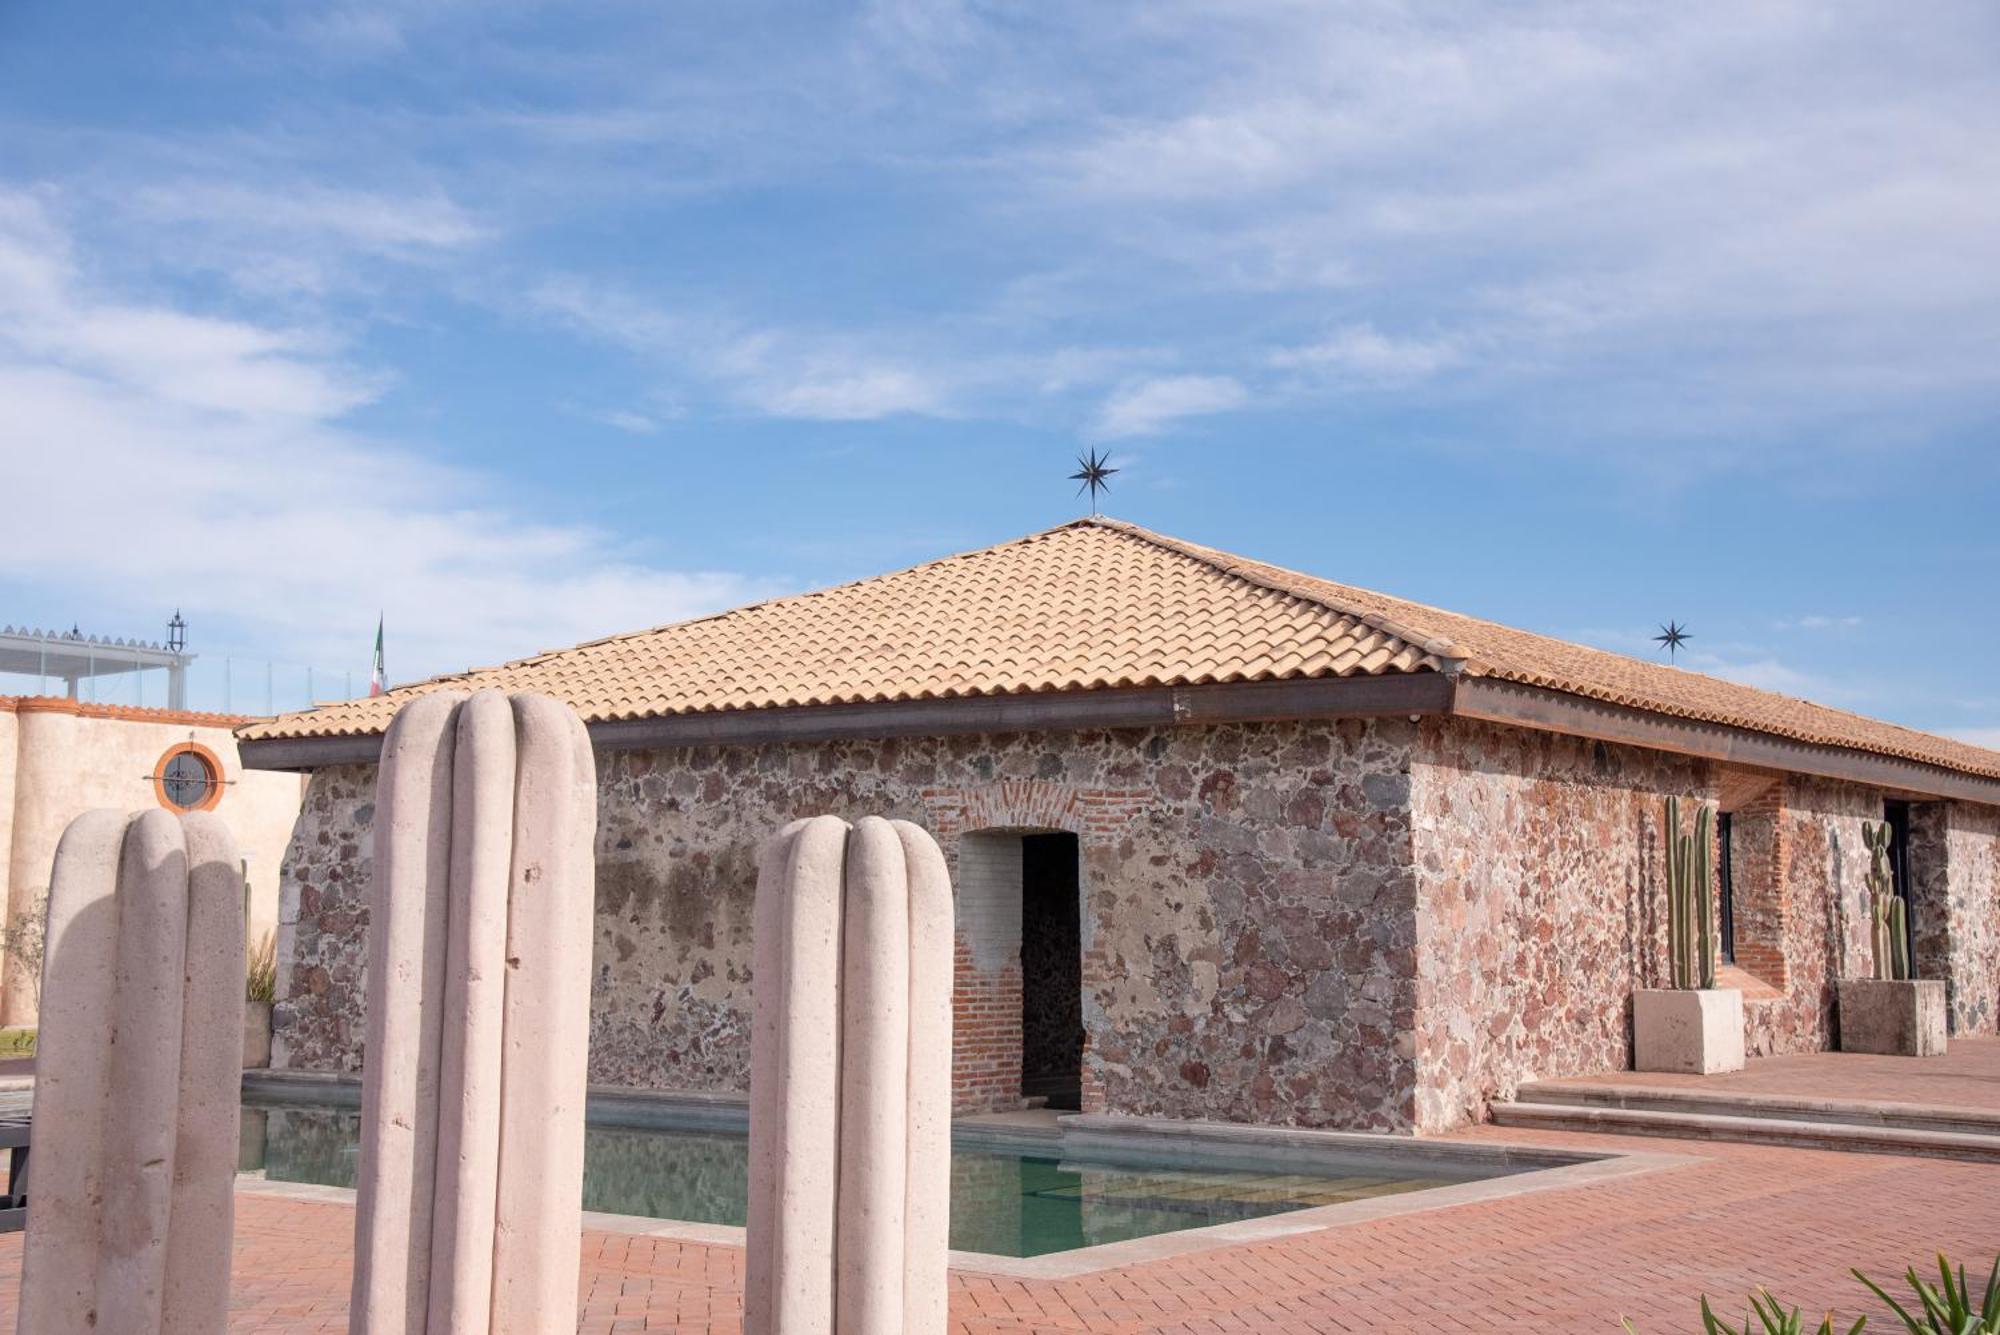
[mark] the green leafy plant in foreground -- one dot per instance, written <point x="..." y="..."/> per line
<point x="1772" y="1319"/>
<point x="1948" y="1306"/>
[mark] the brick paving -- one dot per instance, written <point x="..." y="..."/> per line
<point x="1573" y="1259"/>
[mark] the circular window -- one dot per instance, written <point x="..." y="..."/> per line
<point x="188" y="778"/>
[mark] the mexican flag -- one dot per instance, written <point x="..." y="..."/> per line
<point x="378" y="681"/>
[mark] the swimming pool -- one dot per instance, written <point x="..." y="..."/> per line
<point x="1006" y="1200"/>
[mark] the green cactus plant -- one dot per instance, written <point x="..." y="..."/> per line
<point x="1887" y="915"/>
<point x="1691" y="898"/>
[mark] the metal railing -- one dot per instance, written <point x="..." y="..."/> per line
<point x="213" y="684"/>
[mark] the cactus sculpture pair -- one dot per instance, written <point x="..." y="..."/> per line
<point x="1691" y="941"/>
<point x="1888" y="919"/>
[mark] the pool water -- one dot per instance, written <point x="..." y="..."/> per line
<point x="1003" y="1202"/>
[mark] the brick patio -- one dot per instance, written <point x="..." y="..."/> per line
<point x="1561" y="1260"/>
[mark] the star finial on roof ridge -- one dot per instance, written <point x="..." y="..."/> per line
<point x="1093" y="475"/>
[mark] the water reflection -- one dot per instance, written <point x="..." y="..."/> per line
<point x="1001" y="1204"/>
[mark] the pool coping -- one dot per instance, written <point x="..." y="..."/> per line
<point x="1527" y="1168"/>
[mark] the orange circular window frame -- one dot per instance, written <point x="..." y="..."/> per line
<point x="210" y="761"/>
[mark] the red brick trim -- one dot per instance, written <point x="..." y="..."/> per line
<point x="58" y="704"/>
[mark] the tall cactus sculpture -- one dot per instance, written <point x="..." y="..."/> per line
<point x="1691" y="897"/>
<point x="469" y="1201"/>
<point x="139" y="1062"/>
<point x="850" y="1082"/>
<point x="1888" y="918"/>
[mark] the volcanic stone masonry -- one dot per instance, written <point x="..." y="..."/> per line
<point x="1369" y="924"/>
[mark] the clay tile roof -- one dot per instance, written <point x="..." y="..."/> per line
<point x="1097" y="604"/>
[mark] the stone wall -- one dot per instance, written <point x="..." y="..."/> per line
<point x="1974" y="898"/>
<point x="1248" y="916"/>
<point x="1375" y="925"/>
<point x="1538" y="863"/>
<point x="322" y="915"/>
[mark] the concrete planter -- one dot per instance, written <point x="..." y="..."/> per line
<point x="1694" y="1032"/>
<point x="256" y="1034"/>
<point x="1895" y="1018"/>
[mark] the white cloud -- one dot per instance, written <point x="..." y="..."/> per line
<point x="1147" y="407"/>
<point x="624" y="419"/>
<point x="1361" y="352"/>
<point x="1817" y="621"/>
<point x="373" y="221"/>
<point x="1986" y="737"/>
<point x="177" y="459"/>
<point x="776" y="372"/>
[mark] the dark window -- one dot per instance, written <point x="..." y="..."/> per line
<point x="187" y="780"/>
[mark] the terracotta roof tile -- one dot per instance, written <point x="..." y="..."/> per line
<point x="1097" y="605"/>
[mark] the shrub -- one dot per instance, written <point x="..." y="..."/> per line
<point x="261" y="983"/>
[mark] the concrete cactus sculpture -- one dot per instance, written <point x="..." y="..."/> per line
<point x="1887" y="917"/>
<point x="850" y="1087"/>
<point x="137" y="1072"/>
<point x="469" y="1201"/>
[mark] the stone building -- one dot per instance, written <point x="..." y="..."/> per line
<point x="1229" y="841"/>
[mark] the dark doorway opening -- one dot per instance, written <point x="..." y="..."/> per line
<point x="1725" y="824"/>
<point x="1051" y="972"/>
<point x="1897" y="814"/>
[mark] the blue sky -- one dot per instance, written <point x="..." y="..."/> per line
<point x="528" y="323"/>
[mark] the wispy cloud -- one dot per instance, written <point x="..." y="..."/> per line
<point x="1363" y="353"/>
<point x="781" y="373"/>
<point x="221" y="480"/>
<point x="1148" y="407"/>
<point x="1817" y="621"/>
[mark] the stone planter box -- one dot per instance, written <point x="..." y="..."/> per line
<point x="1694" y="1032"/>
<point x="1895" y="1018"/>
<point x="256" y="1034"/>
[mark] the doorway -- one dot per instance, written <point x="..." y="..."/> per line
<point x="1051" y="972"/>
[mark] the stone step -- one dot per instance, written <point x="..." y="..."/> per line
<point x="1765" y="1130"/>
<point x="1786" y="1107"/>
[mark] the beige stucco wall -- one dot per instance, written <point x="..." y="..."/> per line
<point x="59" y="759"/>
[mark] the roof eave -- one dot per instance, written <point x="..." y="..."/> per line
<point x="1497" y="701"/>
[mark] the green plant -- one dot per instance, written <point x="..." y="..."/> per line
<point x="261" y="981"/>
<point x="1691" y="897"/>
<point x="1772" y="1318"/>
<point x="1947" y="1305"/>
<point x="1887" y="914"/>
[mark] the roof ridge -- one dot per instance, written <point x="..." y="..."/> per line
<point x="1254" y="572"/>
<point x="540" y="655"/>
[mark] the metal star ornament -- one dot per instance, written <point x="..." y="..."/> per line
<point x="1672" y="636"/>
<point x="1092" y="475"/>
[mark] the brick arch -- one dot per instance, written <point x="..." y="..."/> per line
<point x="1029" y="804"/>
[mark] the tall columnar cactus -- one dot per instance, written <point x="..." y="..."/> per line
<point x="1888" y="918"/>
<point x="1691" y="897"/>
<point x="140" y="1061"/>
<point x="850" y="1083"/>
<point x="470" y="1191"/>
